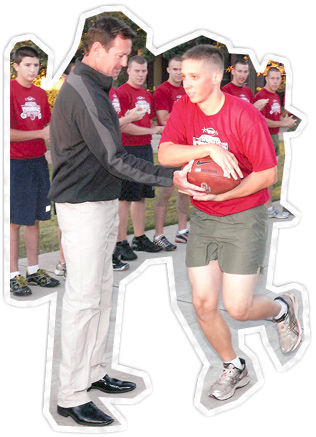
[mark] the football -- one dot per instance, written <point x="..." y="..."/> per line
<point x="207" y="174"/>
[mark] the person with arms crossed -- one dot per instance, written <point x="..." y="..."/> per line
<point x="88" y="165"/>
<point x="165" y="96"/>
<point x="29" y="176"/>
<point x="272" y="113"/>
<point x="228" y="231"/>
<point x="237" y="87"/>
<point x="136" y="138"/>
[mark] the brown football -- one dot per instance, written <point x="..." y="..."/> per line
<point x="207" y="174"/>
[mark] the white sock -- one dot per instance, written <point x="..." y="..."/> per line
<point x="183" y="231"/>
<point x="236" y="362"/>
<point x="158" y="236"/>
<point x="13" y="274"/>
<point x="271" y="208"/>
<point x="284" y="309"/>
<point x="32" y="269"/>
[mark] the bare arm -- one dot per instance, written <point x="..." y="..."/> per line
<point x="284" y="122"/>
<point x="256" y="181"/>
<point x="21" y="135"/>
<point x="133" y="129"/>
<point x="175" y="155"/>
<point x="162" y="115"/>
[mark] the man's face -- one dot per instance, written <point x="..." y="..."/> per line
<point x="27" y="70"/>
<point x="273" y="81"/>
<point x="137" y="74"/>
<point x="197" y="80"/>
<point x="240" y="74"/>
<point x="174" y="71"/>
<point x="112" y="61"/>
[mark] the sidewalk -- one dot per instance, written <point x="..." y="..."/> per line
<point x="184" y="301"/>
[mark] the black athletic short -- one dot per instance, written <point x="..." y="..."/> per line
<point x="134" y="191"/>
<point x="29" y="186"/>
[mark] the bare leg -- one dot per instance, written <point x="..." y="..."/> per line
<point x="123" y="215"/>
<point x="240" y="301"/>
<point x="31" y="239"/>
<point x="161" y="208"/>
<point x="14" y="247"/>
<point x="138" y="214"/>
<point x="182" y="206"/>
<point x="206" y="285"/>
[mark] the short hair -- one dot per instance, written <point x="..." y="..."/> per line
<point x="138" y="59"/>
<point x="240" y="61"/>
<point x="206" y="53"/>
<point x="273" y="69"/>
<point x="177" y="58"/>
<point x="23" y="52"/>
<point x="105" y="30"/>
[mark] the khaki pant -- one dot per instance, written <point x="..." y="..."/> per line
<point x="89" y="232"/>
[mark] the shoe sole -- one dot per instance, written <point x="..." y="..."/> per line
<point x="241" y="384"/>
<point x="299" y="337"/>
<point x="125" y="390"/>
<point x="62" y="412"/>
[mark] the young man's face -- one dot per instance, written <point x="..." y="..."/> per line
<point x="110" y="62"/>
<point x="137" y="74"/>
<point x="240" y="74"/>
<point x="174" y="70"/>
<point x="27" y="70"/>
<point x="273" y="81"/>
<point x="198" y="81"/>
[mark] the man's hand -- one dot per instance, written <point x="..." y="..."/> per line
<point x="135" y="114"/>
<point x="288" y="121"/>
<point x="260" y="104"/>
<point x="45" y="133"/>
<point x="181" y="182"/>
<point x="226" y="160"/>
<point x="157" y="130"/>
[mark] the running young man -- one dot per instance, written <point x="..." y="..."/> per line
<point x="228" y="231"/>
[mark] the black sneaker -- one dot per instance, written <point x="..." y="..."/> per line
<point x="42" y="278"/>
<point x="123" y="249"/>
<point x="118" y="265"/>
<point x="18" y="286"/>
<point x="164" y="243"/>
<point x="143" y="244"/>
<point x="182" y="238"/>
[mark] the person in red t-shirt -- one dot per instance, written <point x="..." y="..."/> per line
<point x="29" y="176"/>
<point x="237" y="87"/>
<point x="228" y="231"/>
<point x="272" y="113"/>
<point x="136" y="138"/>
<point x="165" y="96"/>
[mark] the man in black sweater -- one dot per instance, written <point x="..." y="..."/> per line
<point x="88" y="165"/>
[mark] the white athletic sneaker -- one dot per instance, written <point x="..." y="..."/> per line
<point x="274" y="213"/>
<point x="289" y="328"/>
<point x="231" y="379"/>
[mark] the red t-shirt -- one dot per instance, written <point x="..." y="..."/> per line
<point x="29" y="110"/>
<point x="243" y="92"/>
<point x="166" y="95"/>
<point x="130" y="98"/>
<point x="273" y="109"/>
<point x="115" y="101"/>
<point x="239" y="128"/>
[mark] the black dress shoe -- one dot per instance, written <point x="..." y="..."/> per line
<point x="112" y="385"/>
<point x="86" y="414"/>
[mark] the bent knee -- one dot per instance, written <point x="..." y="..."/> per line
<point x="238" y="312"/>
<point x="204" y="307"/>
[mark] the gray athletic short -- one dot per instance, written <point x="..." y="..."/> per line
<point x="237" y="241"/>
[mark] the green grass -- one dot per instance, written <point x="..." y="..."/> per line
<point x="49" y="229"/>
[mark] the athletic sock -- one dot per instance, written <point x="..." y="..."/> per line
<point x="32" y="269"/>
<point x="236" y="362"/>
<point x="284" y="309"/>
<point x="158" y="236"/>
<point x="183" y="231"/>
<point x="13" y="274"/>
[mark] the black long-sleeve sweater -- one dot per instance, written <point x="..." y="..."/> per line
<point x="88" y="158"/>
